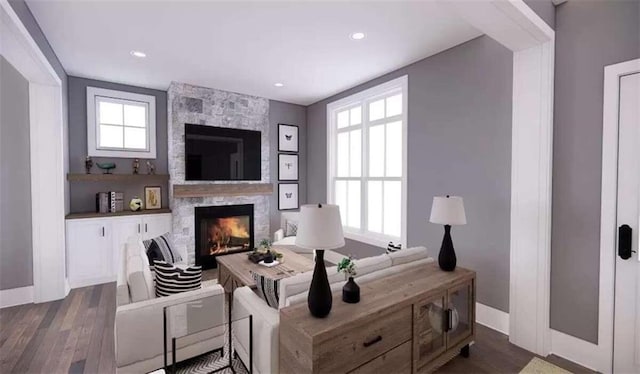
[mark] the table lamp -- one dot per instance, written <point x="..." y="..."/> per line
<point x="447" y="211"/>
<point x="319" y="228"/>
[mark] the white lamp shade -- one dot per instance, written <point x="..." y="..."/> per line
<point x="319" y="227"/>
<point x="448" y="210"/>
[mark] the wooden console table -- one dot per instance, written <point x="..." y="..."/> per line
<point x="410" y="322"/>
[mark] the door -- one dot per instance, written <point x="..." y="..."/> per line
<point x="626" y="351"/>
<point x="461" y="313"/>
<point x="90" y="254"/>
<point x="154" y="225"/>
<point x="124" y="229"/>
<point x="429" y="328"/>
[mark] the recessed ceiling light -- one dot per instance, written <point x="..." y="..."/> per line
<point x="357" y="36"/>
<point x="138" y="54"/>
<point x="279" y="84"/>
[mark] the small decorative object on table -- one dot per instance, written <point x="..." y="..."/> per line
<point x="106" y="166"/>
<point x="151" y="169"/>
<point x="447" y="210"/>
<point x="264" y="254"/>
<point x="152" y="197"/>
<point x="88" y="164"/>
<point x="350" y="291"/>
<point x="136" y="165"/>
<point x="135" y="204"/>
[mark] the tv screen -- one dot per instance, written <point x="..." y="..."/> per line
<point x="221" y="154"/>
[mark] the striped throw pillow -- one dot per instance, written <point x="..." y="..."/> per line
<point x="267" y="289"/>
<point x="171" y="279"/>
<point x="391" y="248"/>
<point x="161" y="249"/>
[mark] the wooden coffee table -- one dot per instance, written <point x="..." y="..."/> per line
<point x="235" y="270"/>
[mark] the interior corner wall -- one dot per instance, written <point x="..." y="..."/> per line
<point x="16" y="251"/>
<point x="83" y="194"/>
<point x="589" y="36"/>
<point x="459" y="142"/>
<point x="290" y="114"/>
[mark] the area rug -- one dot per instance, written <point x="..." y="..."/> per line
<point x="539" y="366"/>
<point x="210" y="362"/>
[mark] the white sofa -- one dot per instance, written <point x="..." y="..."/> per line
<point x="139" y="317"/>
<point x="279" y="238"/>
<point x="294" y="290"/>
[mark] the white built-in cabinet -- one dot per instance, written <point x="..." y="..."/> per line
<point x="95" y="246"/>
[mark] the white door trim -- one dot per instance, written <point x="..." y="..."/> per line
<point x="608" y="208"/>
<point x="514" y="25"/>
<point x="47" y="155"/>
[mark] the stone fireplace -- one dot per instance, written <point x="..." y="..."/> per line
<point x="210" y="107"/>
<point x="222" y="230"/>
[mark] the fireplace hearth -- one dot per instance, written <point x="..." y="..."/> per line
<point x="222" y="230"/>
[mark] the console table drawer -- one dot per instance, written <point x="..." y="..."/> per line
<point x="364" y="342"/>
<point x="397" y="361"/>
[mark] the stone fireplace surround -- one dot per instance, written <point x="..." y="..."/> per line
<point x="211" y="107"/>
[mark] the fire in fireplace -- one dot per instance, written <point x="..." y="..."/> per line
<point x="222" y="230"/>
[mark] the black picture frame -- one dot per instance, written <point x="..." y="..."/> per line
<point x="281" y="192"/>
<point x="296" y="172"/>
<point x="283" y="131"/>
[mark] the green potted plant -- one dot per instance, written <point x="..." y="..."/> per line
<point x="350" y="291"/>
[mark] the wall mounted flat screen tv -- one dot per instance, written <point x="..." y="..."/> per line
<point x="221" y="154"/>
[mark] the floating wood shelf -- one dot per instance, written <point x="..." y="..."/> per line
<point x="230" y="189"/>
<point x="118" y="177"/>
<point x="123" y="213"/>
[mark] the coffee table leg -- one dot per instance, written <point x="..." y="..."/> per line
<point x="251" y="344"/>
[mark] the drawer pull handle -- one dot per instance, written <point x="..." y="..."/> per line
<point x="372" y="341"/>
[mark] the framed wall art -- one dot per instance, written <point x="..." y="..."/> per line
<point x="287" y="167"/>
<point x="288" y="196"/>
<point x="288" y="140"/>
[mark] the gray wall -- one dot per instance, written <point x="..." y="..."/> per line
<point x="290" y="114"/>
<point x="589" y="35"/>
<point x="459" y="142"/>
<point x="83" y="194"/>
<point x="21" y="264"/>
<point x="30" y="23"/>
<point x="544" y="9"/>
<point x="16" y="254"/>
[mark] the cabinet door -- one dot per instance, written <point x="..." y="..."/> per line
<point x="89" y="252"/>
<point x="429" y="329"/>
<point x="154" y="225"/>
<point x="461" y="312"/>
<point x="124" y="229"/>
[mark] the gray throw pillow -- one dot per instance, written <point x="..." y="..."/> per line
<point x="291" y="229"/>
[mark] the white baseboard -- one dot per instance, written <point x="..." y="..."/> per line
<point x="492" y="318"/>
<point x="16" y="296"/>
<point x="579" y="351"/>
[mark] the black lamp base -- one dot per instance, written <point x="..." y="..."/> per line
<point x="447" y="257"/>
<point x="320" y="297"/>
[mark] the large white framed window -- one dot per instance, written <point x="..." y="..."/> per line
<point x="367" y="162"/>
<point x="120" y="124"/>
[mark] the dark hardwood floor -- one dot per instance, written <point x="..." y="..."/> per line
<point x="75" y="335"/>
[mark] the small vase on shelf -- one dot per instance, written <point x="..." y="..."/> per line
<point x="351" y="292"/>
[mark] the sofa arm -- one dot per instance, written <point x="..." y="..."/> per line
<point x="266" y="321"/>
<point x="139" y="329"/>
<point x="278" y="235"/>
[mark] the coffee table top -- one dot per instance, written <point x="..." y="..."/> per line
<point x="241" y="267"/>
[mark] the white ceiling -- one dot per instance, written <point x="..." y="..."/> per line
<point x="247" y="46"/>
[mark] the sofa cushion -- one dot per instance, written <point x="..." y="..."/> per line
<point x="161" y="248"/>
<point x="171" y="279"/>
<point x="408" y="255"/>
<point x="392" y="270"/>
<point x="370" y="264"/>
<point x="291" y="229"/>
<point x="300" y="283"/>
<point x="267" y="289"/>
